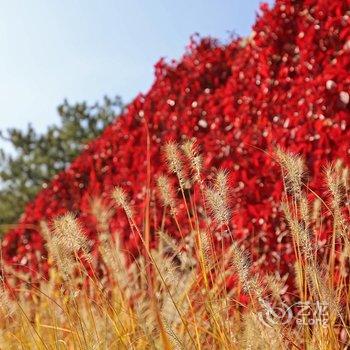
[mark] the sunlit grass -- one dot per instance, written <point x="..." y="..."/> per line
<point x="193" y="292"/>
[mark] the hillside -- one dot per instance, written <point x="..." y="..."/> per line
<point x="288" y="84"/>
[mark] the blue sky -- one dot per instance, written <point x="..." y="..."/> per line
<point x="83" y="50"/>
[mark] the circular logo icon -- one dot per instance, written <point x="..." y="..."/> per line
<point x="271" y="315"/>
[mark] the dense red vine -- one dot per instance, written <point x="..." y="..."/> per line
<point x="287" y="84"/>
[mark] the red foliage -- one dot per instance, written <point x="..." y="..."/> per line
<point x="287" y="84"/>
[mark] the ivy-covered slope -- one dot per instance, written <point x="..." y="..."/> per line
<point x="287" y="84"/>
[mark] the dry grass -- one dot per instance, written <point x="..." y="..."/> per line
<point x="179" y="295"/>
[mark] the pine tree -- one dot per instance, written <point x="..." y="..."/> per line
<point x="35" y="158"/>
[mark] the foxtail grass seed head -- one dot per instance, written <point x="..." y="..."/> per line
<point x="275" y="285"/>
<point x="218" y="207"/>
<point x="206" y="249"/>
<point x="335" y="185"/>
<point x="217" y="199"/>
<point x="270" y="336"/>
<point x="45" y="231"/>
<point x="241" y="264"/>
<point x="173" y="338"/>
<point x="167" y="193"/>
<point x="299" y="232"/>
<point x="52" y="242"/>
<point x="122" y="201"/>
<point x="7" y="305"/>
<point x="320" y="288"/>
<point x="102" y="213"/>
<point x="69" y="233"/>
<point x="61" y="256"/>
<point x="304" y="210"/>
<point x="221" y="184"/>
<point x="174" y="162"/>
<point x="335" y="182"/>
<point x="190" y="150"/>
<point x="294" y="171"/>
<point x="166" y="241"/>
